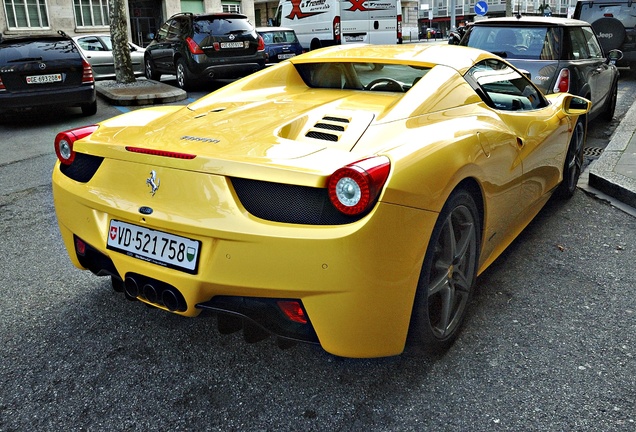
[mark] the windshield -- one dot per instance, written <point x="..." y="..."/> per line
<point x="361" y="76"/>
<point x="533" y="43"/>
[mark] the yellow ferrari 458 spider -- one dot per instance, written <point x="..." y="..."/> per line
<point x="348" y="197"/>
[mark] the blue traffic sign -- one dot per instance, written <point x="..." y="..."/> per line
<point x="481" y="8"/>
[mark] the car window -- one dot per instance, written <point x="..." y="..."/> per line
<point x="534" y="43"/>
<point x="222" y="26"/>
<point x="578" y="45"/>
<point x="41" y="49"/>
<point x="162" y="34"/>
<point x="282" y="36"/>
<point x="593" y="44"/>
<point x="91" y="43"/>
<point x="361" y="76"/>
<point x="504" y="88"/>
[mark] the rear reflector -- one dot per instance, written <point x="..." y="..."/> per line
<point x="293" y="310"/>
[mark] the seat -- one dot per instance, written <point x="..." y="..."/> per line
<point x="505" y="37"/>
<point x="329" y="76"/>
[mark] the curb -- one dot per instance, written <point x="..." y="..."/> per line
<point x="141" y="92"/>
<point x="613" y="172"/>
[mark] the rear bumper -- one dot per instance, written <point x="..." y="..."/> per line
<point x="74" y="96"/>
<point x="356" y="282"/>
<point x="232" y="67"/>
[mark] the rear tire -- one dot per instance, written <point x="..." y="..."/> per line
<point x="183" y="75"/>
<point x="573" y="161"/>
<point x="448" y="276"/>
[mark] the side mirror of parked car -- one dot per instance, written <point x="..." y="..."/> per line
<point x="614" y="55"/>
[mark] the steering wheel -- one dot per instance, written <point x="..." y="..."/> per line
<point x="521" y="47"/>
<point x="390" y="81"/>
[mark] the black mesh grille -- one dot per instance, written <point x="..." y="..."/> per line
<point x="322" y="136"/>
<point x="338" y="119"/>
<point x="330" y="127"/>
<point x="294" y="204"/>
<point x="83" y="167"/>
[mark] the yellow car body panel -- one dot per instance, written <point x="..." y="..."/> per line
<point x="356" y="281"/>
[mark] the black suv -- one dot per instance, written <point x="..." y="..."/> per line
<point x="209" y="46"/>
<point x="558" y="54"/>
<point x="615" y="24"/>
<point x="47" y="70"/>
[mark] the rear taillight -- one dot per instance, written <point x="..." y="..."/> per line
<point x="562" y="84"/>
<point x="64" y="142"/>
<point x="2" y="87"/>
<point x="354" y="188"/>
<point x="399" y="27"/>
<point x="336" y="30"/>
<point x="193" y="46"/>
<point x="261" y="43"/>
<point x="87" y="74"/>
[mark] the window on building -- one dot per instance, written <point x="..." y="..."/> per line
<point x="232" y="7"/>
<point x="26" y="13"/>
<point x="91" y="13"/>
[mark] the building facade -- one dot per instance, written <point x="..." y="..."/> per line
<point x="91" y="16"/>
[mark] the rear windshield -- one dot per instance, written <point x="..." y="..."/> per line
<point x="361" y="76"/>
<point x="222" y="26"/>
<point x="282" y="36"/>
<point x="533" y="43"/>
<point x="35" y="50"/>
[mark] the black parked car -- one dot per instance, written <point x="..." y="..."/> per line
<point x="615" y="24"/>
<point x="209" y="46"/>
<point x="558" y="54"/>
<point x="48" y="70"/>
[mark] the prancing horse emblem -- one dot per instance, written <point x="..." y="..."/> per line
<point x="153" y="182"/>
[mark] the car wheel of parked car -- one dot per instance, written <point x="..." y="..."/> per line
<point x="183" y="79"/>
<point x="610" y="105"/>
<point x="448" y="275"/>
<point x="150" y="71"/>
<point x="573" y="161"/>
<point x="90" y="109"/>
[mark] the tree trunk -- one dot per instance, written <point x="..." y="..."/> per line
<point x="119" y="36"/>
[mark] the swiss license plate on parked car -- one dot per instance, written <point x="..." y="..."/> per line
<point x="232" y="44"/>
<point x="43" y="79"/>
<point x="154" y="246"/>
<point x="285" y="56"/>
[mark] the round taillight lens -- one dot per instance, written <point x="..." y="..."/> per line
<point x="64" y="142"/>
<point x="353" y="188"/>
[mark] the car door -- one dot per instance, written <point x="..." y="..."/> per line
<point x="538" y="128"/>
<point x="162" y="48"/>
<point x="591" y="71"/>
<point x="98" y="55"/>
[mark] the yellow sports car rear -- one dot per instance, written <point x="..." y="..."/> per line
<point x="347" y="197"/>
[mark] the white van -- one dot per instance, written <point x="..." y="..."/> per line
<point x="320" y="23"/>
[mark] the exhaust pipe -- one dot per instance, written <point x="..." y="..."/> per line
<point x="150" y="293"/>
<point x="131" y="288"/>
<point x="170" y="300"/>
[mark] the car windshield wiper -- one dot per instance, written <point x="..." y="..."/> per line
<point x="23" y="59"/>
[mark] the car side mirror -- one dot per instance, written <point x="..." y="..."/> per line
<point x="574" y="105"/>
<point x="614" y="55"/>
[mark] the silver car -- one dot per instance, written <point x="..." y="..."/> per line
<point x="98" y="50"/>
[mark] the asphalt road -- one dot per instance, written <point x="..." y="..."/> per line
<point x="549" y="343"/>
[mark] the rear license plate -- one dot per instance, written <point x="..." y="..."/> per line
<point x="354" y="38"/>
<point x="157" y="247"/>
<point x="285" y="56"/>
<point x="43" y="79"/>
<point x="232" y="45"/>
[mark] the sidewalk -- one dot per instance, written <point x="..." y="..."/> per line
<point x="612" y="174"/>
